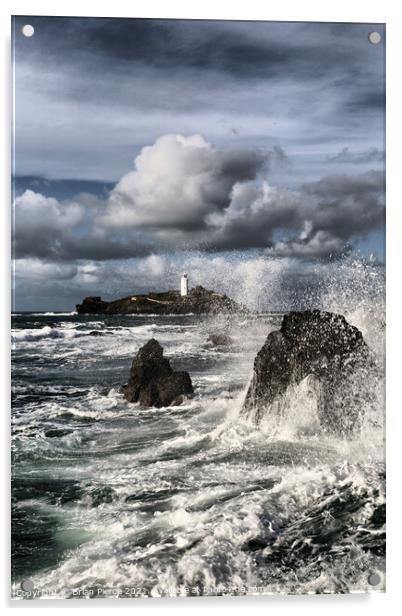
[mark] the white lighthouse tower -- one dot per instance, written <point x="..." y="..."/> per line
<point x="184" y="285"/>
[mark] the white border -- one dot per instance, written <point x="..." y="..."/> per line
<point x="289" y="10"/>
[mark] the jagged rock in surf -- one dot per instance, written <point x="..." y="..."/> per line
<point x="101" y="495"/>
<point x="316" y="344"/>
<point x="153" y="382"/>
<point x="310" y="537"/>
<point x="57" y="432"/>
<point x="220" y="339"/>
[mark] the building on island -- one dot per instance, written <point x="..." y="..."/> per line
<point x="184" y="285"/>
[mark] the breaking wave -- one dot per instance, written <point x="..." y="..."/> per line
<point x="31" y="335"/>
<point x="113" y="500"/>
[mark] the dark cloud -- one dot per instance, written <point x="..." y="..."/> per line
<point x="186" y="194"/>
<point x="49" y="229"/>
<point x="245" y="49"/>
<point x="369" y="99"/>
<point x="310" y="246"/>
<point x="348" y="204"/>
<point x="371" y="155"/>
<point x="272" y="101"/>
<point x="89" y="91"/>
<point x="322" y="218"/>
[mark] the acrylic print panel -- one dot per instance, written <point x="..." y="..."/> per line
<point x="198" y="308"/>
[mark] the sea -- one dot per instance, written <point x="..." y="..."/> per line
<point x="113" y="500"/>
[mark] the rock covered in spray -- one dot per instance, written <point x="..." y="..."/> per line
<point x="314" y="344"/>
<point x="220" y="339"/>
<point x="152" y="381"/>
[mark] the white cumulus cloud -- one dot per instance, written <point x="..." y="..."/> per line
<point x="178" y="181"/>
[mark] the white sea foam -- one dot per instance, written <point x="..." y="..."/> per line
<point x="191" y="485"/>
<point x="31" y="335"/>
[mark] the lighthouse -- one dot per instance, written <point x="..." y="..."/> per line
<point x="184" y="285"/>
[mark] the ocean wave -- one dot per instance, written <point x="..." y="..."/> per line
<point x="48" y="314"/>
<point x="192" y="494"/>
<point x="31" y="335"/>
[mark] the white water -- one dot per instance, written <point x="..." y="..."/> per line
<point x="191" y="485"/>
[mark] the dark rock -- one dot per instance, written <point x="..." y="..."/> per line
<point x="329" y="521"/>
<point x="104" y="494"/>
<point x="378" y="518"/>
<point x="57" y="432"/>
<point x="78" y="418"/>
<point x="92" y="305"/>
<point x="152" y="381"/>
<point x="321" y="344"/>
<point x="198" y="301"/>
<point x="219" y="339"/>
<point x="255" y="544"/>
<point x="96" y="333"/>
<point x="53" y="491"/>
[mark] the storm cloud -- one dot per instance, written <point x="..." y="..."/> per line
<point x="139" y="143"/>
<point x="47" y="228"/>
<point x="194" y="196"/>
<point x="90" y="91"/>
<point x="179" y="181"/>
<point x="322" y="218"/>
<point x="186" y="194"/>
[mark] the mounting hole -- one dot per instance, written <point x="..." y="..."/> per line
<point x="28" y="30"/>
<point x="374" y="38"/>
<point x="374" y="579"/>
<point x="27" y="585"/>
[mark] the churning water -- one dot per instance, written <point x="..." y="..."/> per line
<point x="112" y="500"/>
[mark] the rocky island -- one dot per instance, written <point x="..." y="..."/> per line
<point x="197" y="301"/>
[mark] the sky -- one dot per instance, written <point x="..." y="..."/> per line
<point x="232" y="150"/>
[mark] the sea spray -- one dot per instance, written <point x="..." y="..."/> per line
<point x="200" y="498"/>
